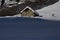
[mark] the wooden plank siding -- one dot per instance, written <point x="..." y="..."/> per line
<point x="28" y="13"/>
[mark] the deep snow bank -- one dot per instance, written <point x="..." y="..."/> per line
<point x="48" y="11"/>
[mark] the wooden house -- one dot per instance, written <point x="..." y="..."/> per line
<point x="28" y="11"/>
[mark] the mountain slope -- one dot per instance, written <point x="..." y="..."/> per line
<point x="47" y="12"/>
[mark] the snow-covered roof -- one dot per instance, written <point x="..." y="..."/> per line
<point x="28" y="8"/>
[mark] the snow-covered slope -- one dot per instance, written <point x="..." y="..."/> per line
<point x="47" y="12"/>
<point x="51" y="12"/>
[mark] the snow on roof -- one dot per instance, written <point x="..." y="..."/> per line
<point x="29" y="8"/>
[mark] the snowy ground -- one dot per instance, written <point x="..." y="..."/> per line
<point x="47" y="12"/>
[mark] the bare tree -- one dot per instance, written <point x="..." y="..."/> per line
<point x="3" y="1"/>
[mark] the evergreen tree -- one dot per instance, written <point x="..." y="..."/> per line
<point x="17" y="0"/>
